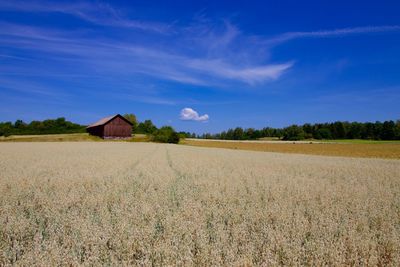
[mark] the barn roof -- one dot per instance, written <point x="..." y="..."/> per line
<point x="106" y="120"/>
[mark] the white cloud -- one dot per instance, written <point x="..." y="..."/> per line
<point x="331" y="33"/>
<point x="188" y="114"/>
<point x="249" y="75"/>
<point x="206" y="53"/>
<point x="115" y="57"/>
<point x="96" y="13"/>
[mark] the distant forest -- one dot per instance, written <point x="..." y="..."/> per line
<point x="62" y="126"/>
<point x="387" y="130"/>
<point x="57" y="126"/>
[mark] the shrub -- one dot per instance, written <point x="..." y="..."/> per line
<point x="324" y="133"/>
<point x="293" y="133"/>
<point x="166" y="134"/>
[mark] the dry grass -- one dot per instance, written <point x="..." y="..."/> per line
<point x="77" y="137"/>
<point x="140" y="138"/>
<point x="118" y="203"/>
<point x="363" y="150"/>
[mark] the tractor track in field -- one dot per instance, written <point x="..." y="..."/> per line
<point x="131" y="169"/>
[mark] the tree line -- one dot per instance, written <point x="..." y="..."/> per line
<point x="62" y="126"/>
<point x="165" y="134"/>
<point x="387" y="130"/>
<point x="52" y="126"/>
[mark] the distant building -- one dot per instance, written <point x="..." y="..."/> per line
<point x="113" y="127"/>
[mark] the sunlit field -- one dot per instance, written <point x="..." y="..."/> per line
<point x="342" y="148"/>
<point x="77" y="137"/>
<point x="121" y="203"/>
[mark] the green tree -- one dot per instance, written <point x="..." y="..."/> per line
<point x="354" y="131"/>
<point x="397" y="130"/>
<point x="324" y="133"/>
<point x="308" y="130"/>
<point x="368" y="131"/>
<point x="146" y="127"/>
<point x="388" y="130"/>
<point x="251" y="133"/>
<point x="338" y="131"/>
<point x="166" y="134"/>
<point x="132" y="119"/>
<point x="238" y="133"/>
<point x="293" y="133"/>
<point x="6" y="129"/>
<point x="19" y="124"/>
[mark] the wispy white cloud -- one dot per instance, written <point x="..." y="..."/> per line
<point x="148" y="99"/>
<point x="205" y="53"/>
<point x="31" y="88"/>
<point x="112" y="56"/>
<point x="211" y="37"/>
<point x="331" y="33"/>
<point x="12" y="57"/>
<point x="188" y="114"/>
<point x="96" y="13"/>
<point x="362" y="95"/>
<point x="250" y="75"/>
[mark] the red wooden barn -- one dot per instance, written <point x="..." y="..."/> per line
<point x="115" y="126"/>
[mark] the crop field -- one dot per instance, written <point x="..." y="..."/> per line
<point x="75" y="137"/>
<point x="344" y="148"/>
<point x="123" y="203"/>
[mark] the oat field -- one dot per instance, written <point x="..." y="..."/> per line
<point x="349" y="148"/>
<point x="115" y="203"/>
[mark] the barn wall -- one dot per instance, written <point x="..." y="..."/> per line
<point x="97" y="131"/>
<point x="117" y="128"/>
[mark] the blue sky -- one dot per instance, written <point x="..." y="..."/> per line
<point x="201" y="66"/>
